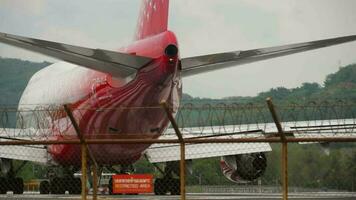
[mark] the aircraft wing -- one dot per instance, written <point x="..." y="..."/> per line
<point x="114" y="63"/>
<point x="33" y="153"/>
<point x="341" y="128"/>
<point x="206" y="63"/>
<point x="171" y="152"/>
<point x="299" y="129"/>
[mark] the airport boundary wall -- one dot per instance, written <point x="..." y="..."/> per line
<point x="248" y="125"/>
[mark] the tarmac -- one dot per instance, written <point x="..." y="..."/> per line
<point x="193" y="196"/>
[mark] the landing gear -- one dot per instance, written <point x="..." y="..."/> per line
<point x="59" y="185"/>
<point x="168" y="184"/>
<point x="75" y="186"/>
<point x="10" y="182"/>
<point x="175" y="187"/>
<point x="44" y="187"/>
<point x="3" y="185"/>
<point x="160" y="187"/>
<point x="16" y="185"/>
<point x="164" y="185"/>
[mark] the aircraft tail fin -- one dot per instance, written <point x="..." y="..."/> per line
<point x="153" y="18"/>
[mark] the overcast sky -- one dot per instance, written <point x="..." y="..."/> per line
<point x="202" y="27"/>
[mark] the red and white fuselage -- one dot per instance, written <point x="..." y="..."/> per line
<point x="88" y="90"/>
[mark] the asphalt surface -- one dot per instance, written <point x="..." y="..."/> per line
<point x="196" y="196"/>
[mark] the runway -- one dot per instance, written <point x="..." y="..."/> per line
<point x="195" y="196"/>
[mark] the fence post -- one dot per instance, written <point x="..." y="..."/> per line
<point x="285" y="169"/>
<point x="84" y="171"/>
<point x="182" y="170"/>
<point x="182" y="149"/>
<point x="95" y="182"/>
<point x="83" y="148"/>
<point x="284" y="156"/>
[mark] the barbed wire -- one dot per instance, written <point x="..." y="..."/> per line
<point x="315" y="117"/>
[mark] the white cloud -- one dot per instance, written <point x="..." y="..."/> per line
<point x="203" y="27"/>
<point x="297" y="21"/>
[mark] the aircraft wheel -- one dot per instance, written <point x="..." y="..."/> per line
<point x="3" y="185"/>
<point x="17" y="184"/>
<point x="57" y="186"/>
<point x="75" y="186"/>
<point x="44" y="187"/>
<point x="160" y="186"/>
<point x="175" y="186"/>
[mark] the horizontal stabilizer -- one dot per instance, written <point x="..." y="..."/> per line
<point x="114" y="63"/>
<point x="206" y="63"/>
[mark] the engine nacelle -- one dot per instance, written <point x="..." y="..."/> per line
<point x="243" y="168"/>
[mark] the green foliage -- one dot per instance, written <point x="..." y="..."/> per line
<point x="207" y="172"/>
<point x="345" y="74"/>
<point x="144" y="167"/>
<point x="340" y="85"/>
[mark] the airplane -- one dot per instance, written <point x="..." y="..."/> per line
<point x="143" y="74"/>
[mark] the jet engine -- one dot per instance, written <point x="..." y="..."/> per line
<point x="243" y="168"/>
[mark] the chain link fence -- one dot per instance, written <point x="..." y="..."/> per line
<point x="204" y="148"/>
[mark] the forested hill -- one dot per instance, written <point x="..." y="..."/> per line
<point x="15" y="73"/>
<point x="340" y="85"/>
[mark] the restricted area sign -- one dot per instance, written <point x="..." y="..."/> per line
<point x="132" y="183"/>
